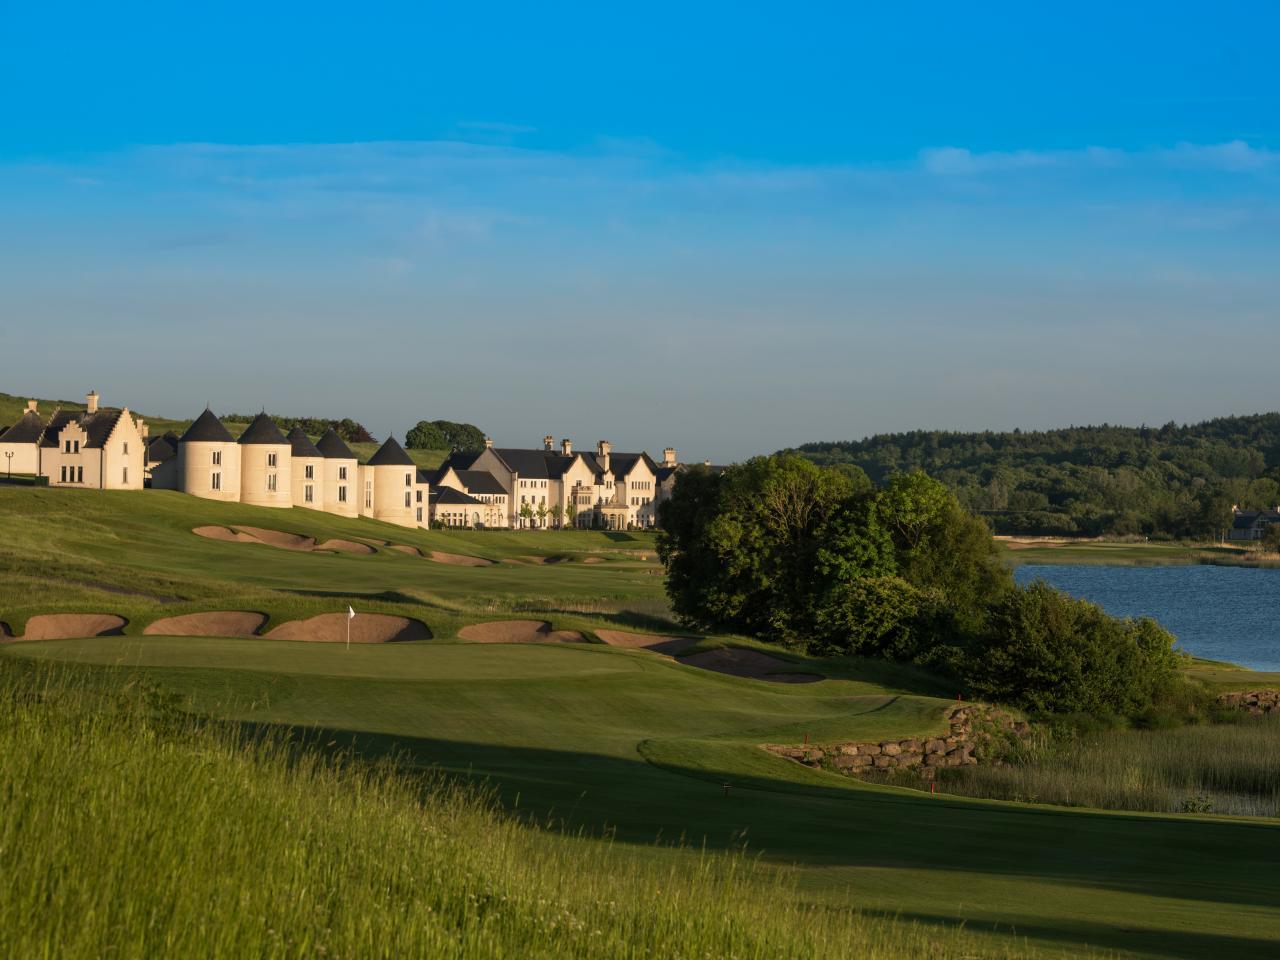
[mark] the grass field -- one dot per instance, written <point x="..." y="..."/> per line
<point x="621" y="744"/>
<point x="1127" y="553"/>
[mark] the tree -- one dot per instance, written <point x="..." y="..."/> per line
<point x="542" y="514"/>
<point x="526" y="512"/>
<point x="425" y="436"/>
<point x="460" y="436"/>
<point x="556" y="513"/>
<point x="1051" y="653"/>
<point x="1271" y="538"/>
<point x="571" y="513"/>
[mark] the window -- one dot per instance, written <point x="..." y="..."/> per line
<point x="419" y="514"/>
<point x="342" y="473"/>
<point x="66" y="446"/>
<point x="64" y="475"/>
<point x="215" y="481"/>
<point x="76" y="445"/>
<point x="310" y="471"/>
<point x="271" y="482"/>
<point x="217" y="458"/>
<point x="126" y="475"/>
<point x="408" y="499"/>
<point x="271" y="459"/>
<point x="342" y="494"/>
<point x="408" y="479"/>
<point x="306" y="494"/>
<point x="368" y="494"/>
<point x="79" y="474"/>
<point x="126" y="449"/>
<point x="419" y="496"/>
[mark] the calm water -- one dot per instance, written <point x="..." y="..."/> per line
<point x="1222" y="613"/>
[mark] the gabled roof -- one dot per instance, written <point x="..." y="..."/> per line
<point x="620" y="464"/>
<point x="97" y="427"/>
<point x="480" y="481"/>
<point x="458" y="460"/>
<point x="391" y="454"/>
<point x="332" y="448"/>
<point x="451" y="497"/>
<point x="207" y="429"/>
<point x="162" y="449"/>
<point x="263" y="430"/>
<point x="301" y="444"/>
<point x="534" y="464"/>
<point x="28" y="429"/>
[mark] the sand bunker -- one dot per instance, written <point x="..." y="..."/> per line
<point x="459" y="560"/>
<point x="346" y="546"/>
<point x="518" y="631"/>
<point x="66" y="626"/>
<point x="668" y="646"/>
<point x="404" y="548"/>
<point x="285" y="541"/>
<point x="223" y="533"/>
<point x="748" y="663"/>
<point x="593" y="560"/>
<point x="215" y="623"/>
<point x="541" y="561"/>
<point x="365" y="628"/>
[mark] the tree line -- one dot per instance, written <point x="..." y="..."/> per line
<point x="444" y="435"/>
<point x="822" y="560"/>
<point x="1164" y="482"/>
<point x="349" y="430"/>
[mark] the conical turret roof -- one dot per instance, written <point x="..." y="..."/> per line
<point x="331" y="447"/>
<point x="207" y="429"/>
<point x="391" y="454"/>
<point x="301" y="444"/>
<point x="263" y="430"/>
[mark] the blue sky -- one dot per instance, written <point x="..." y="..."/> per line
<point x="730" y="228"/>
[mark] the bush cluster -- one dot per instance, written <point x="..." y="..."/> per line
<point x="820" y="559"/>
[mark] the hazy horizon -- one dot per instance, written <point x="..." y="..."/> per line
<point x="712" y="229"/>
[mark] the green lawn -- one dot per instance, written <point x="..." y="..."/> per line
<point x="624" y="743"/>
<point x="1125" y="553"/>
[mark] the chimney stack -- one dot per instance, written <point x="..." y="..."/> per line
<point x="488" y="443"/>
<point x="548" y="442"/>
<point x="706" y="463"/>
<point x="31" y="406"/>
<point x="669" y="457"/>
<point x="91" y="402"/>
<point x="566" y="447"/>
<point x="604" y="446"/>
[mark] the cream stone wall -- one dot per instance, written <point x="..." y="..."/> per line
<point x="24" y="459"/>
<point x="264" y="481"/>
<point x="335" y="483"/>
<point x="124" y="456"/>
<point x="197" y="467"/>
<point x="300" y="467"/>
<point x="390" y="492"/>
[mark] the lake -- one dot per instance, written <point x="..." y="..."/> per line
<point x="1220" y="613"/>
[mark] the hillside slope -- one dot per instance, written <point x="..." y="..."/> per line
<point x="1170" y="481"/>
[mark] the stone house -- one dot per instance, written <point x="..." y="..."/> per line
<point x="96" y="448"/>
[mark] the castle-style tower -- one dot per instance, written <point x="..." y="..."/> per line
<point x="209" y="460"/>
<point x="266" y="474"/>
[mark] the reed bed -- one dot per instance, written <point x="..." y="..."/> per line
<point x="1230" y="768"/>
<point x="132" y="829"/>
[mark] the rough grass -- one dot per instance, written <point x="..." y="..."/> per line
<point x="133" y="829"/>
<point x="1224" y="768"/>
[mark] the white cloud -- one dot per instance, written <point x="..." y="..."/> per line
<point x="1234" y="156"/>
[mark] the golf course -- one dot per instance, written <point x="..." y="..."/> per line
<point x="547" y="694"/>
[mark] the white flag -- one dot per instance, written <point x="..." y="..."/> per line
<point x="351" y="614"/>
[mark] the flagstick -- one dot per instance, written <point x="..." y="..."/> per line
<point x="348" y="634"/>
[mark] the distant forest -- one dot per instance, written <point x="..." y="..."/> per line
<point x="348" y="429"/>
<point x="1163" y="482"/>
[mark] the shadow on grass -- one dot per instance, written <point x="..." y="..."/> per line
<point x="386" y="596"/>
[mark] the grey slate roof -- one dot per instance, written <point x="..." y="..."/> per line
<point x="332" y="448"/>
<point x="162" y="449"/>
<point x="262" y="430"/>
<point x="28" y="429"/>
<point x="458" y="460"/>
<point x="451" y="497"/>
<point x="620" y="464"/>
<point x="480" y="481"/>
<point x="207" y="428"/>
<point x="97" y="426"/>
<point x="391" y="454"/>
<point x="301" y="444"/>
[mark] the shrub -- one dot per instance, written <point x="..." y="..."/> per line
<point x="1050" y="653"/>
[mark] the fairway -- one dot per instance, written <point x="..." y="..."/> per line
<point x="622" y="743"/>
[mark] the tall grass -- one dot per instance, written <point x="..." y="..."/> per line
<point x="1231" y="768"/>
<point x="130" y="829"/>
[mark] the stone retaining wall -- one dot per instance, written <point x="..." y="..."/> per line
<point x="974" y="733"/>
<point x="1256" y="702"/>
